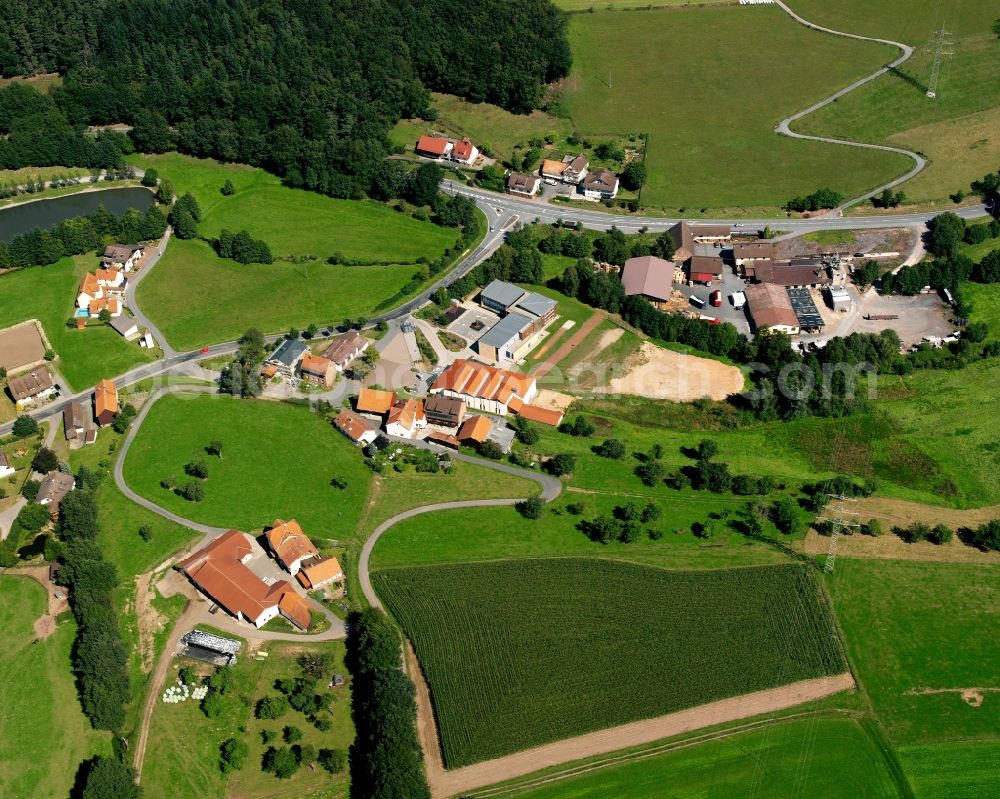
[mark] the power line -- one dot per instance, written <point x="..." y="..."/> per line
<point x="942" y="49"/>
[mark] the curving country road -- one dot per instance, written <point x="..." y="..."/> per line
<point x="784" y="126"/>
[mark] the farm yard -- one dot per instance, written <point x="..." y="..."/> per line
<point x="259" y="477"/>
<point x="582" y="645"/>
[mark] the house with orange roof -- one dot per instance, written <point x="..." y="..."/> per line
<point x="220" y="571"/>
<point x="105" y="402"/>
<point x="474" y="429"/>
<point x="374" y="400"/>
<point x="356" y="427"/>
<point x="112" y="305"/>
<point x="90" y="290"/>
<point x="317" y="370"/>
<point x="536" y="413"/>
<point x="464" y="152"/>
<point x="290" y="545"/>
<point x="110" y="279"/>
<point x="405" y="418"/>
<point x="316" y="574"/>
<point x="433" y="146"/>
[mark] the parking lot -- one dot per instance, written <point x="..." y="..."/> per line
<point x="730" y="283"/>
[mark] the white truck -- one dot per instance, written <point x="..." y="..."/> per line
<point x="738" y="299"/>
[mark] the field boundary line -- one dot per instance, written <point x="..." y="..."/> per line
<point x="468" y="778"/>
<point x="783" y="128"/>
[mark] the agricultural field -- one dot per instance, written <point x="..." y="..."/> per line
<point x="958" y="128"/>
<point x="947" y="770"/>
<point x="277" y="462"/>
<point x="46" y="736"/>
<point x="48" y="293"/>
<point x="912" y="629"/>
<point x="793" y="758"/>
<point x="621" y="82"/>
<point x="566" y="653"/>
<point x="183" y="756"/>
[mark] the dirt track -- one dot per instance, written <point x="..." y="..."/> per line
<point x="450" y="783"/>
<point x="567" y="346"/>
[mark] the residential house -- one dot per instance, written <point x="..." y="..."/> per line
<point x="34" y="385"/>
<point x="54" y="487"/>
<point x="444" y="440"/>
<point x="317" y="573"/>
<point x="126" y="326"/>
<point x="705" y="269"/>
<point x="535" y="413"/>
<point x="122" y="256"/>
<point x="90" y="290"/>
<point x="75" y="421"/>
<point x="649" y="277"/>
<point x="405" y="418"/>
<point x="464" y="152"/>
<point x="771" y="308"/>
<point x="525" y="185"/>
<point x="105" y="402"/>
<point x="318" y="370"/>
<point x="286" y="358"/>
<point x="290" y="545"/>
<point x="553" y="170"/>
<point x="112" y="305"/>
<point x="685" y="236"/>
<point x="444" y="411"/>
<point x="345" y="348"/>
<point x="475" y="429"/>
<point x="375" y="401"/>
<point x="6" y="470"/>
<point x="111" y="280"/>
<point x="601" y="184"/>
<point x="576" y="168"/>
<point x="219" y="570"/>
<point x="433" y="146"/>
<point x="356" y="427"/>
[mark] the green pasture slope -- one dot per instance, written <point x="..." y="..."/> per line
<point x="277" y="462"/>
<point x="520" y="653"/>
<point x="805" y="757"/>
<point x="197" y="298"/>
<point x="958" y="129"/>
<point x="48" y="294"/>
<point x="45" y="734"/>
<point x="709" y="84"/>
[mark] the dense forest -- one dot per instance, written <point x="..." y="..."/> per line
<point x="308" y="90"/>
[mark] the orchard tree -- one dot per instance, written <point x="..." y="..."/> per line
<point x="45" y="461"/>
<point x="634" y="175"/>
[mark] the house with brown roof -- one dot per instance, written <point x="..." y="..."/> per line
<point x="444" y="411"/>
<point x="748" y="252"/>
<point x="524" y="185"/>
<point x="54" y="487"/>
<point x="105" y="402"/>
<point x="485" y="388"/>
<point x="316" y="574"/>
<point x="685" y="236"/>
<point x="6" y="470"/>
<point x="474" y="429"/>
<point x="601" y="184"/>
<point x="405" y="418"/>
<point x="649" y="277"/>
<point x="444" y="440"/>
<point x="34" y="385"/>
<point x="375" y="400"/>
<point x="317" y="370"/>
<point x="356" y="427"/>
<point x="345" y="348"/>
<point x="289" y="544"/>
<point x="705" y="269"/>
<point x="219" y="570"/>
<point x="771" y="308"/>
<point x="75" y="421"/>
<point x="122" y="256"/>
<point x="795" y="273"/>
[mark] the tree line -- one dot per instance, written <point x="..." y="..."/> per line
<point x="386" y="760"/>
<point x="280" y="85"/>
<point x="81" y="234"/>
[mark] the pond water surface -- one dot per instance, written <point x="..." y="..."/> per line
<point x="18" y="219"/>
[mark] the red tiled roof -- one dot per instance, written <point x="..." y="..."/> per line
<point x="542" y="415"/>
<point x="288" y="542"/>
<point x="649" y="276"/>
<point x="406" y="413"/>
<point x="463" y="150"/>
<point x="319" y="572"/>
<point x="444" y="439"/>
<point x="770" y="306"/>
<point x="432" y="144"/>
<point x="105" y="398"/>
<point x="352" y="425"/>
<point x="475" y="428"/>
<point x="483" y="382"/>
<point x="296" y="609"/>
<point x="343" y="346"/>
<point x="373" y="400"/>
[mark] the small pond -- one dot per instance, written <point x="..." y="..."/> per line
<point x="18" y="219"/>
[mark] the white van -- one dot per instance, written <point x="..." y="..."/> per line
<point x="738" y="299"/>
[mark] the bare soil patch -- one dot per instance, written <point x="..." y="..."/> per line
<point x="22" y="346"/>
<point x="458" y="781"/>
<point x="554" y="335"/>
<point x="664" y="374"/>
<point x="567" y="346"/>
<point x="919" y="316"/>
<point x="45" y="624"/>
<point x="553" y="400"/>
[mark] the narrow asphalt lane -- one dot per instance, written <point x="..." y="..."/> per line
<point x="132" y="302"/>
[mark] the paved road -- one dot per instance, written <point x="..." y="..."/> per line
<point x="131" y="302"/>
<point x="919" y="162"/>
